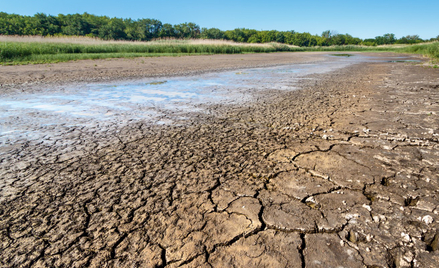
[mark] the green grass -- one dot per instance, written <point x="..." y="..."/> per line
<point x="54" y="58"/>
<point x="22" y="53"/>
<point x="157" y="83"/>
<point x="430" y="50"/>
<point x="342" y="55"/>
<point x="38" y="52"/>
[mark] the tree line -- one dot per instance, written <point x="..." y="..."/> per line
<point x="148" y="29"/>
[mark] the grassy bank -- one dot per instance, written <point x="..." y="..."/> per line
<point x="16" y="52"/>
<point x="430" y="50"/>
<point x="22" y="53"/>
<point x="25" y="51"/>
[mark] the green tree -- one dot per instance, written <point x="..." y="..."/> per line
<point x="74" y="25"/>
<point x="290" y="37"/>
<point x="149" y="28"/>
<point x="409" y="39"/>
<point x="236" y="35"/>
<point x="390" y="38"/>
<point x="369" y="42"/>
<point x="131" y="29"/>
<point x="46" y="25"/>
<point x="280" y="37"/>
<point x="187" y="30"/>
<point x="386" y="39"/>
<point x="267" y="36"/>
<point x="212" y="33"/>
<point x="350" y="40"/>
<point x="327" y="34"/>
<point x="167" y="30"/>
<point x="254" y="39"/>
<point x="115" y="30"/>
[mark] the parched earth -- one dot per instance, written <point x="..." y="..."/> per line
<point x="12" y="78"/>
<point x="342" y="173"/>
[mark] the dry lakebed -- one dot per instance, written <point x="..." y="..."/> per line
<point x="253" y="160"/>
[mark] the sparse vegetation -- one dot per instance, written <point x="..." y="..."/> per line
<point x="157" y="83"/>
<point x="342" y="55"/>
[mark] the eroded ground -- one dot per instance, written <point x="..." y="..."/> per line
<point x="343" y="173"/>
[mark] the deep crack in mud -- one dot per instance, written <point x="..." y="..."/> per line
<point x="343" y="172"/>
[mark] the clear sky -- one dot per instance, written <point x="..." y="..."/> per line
<point x="364" y="19"/>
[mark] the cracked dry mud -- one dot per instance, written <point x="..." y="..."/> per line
<point x="342" y="173"/>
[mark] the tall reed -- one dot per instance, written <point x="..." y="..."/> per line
<point x="22" y="52"/>
<point x="44" y="52"/>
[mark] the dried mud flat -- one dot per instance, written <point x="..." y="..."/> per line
<point x="12" y="78"/>
<point x="342" y="173"/>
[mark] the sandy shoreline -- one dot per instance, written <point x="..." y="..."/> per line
<point x="341" y="172"/>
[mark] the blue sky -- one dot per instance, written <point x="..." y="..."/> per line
<point x="364" y="19"/>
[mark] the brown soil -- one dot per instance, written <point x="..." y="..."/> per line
<point x="12" y="78"/>
<point x="117" y="69"/>
<point x="342" y="173"/>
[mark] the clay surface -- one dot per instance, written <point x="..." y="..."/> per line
<point x="340" y="173"/>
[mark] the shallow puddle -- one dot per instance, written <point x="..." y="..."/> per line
<point x="413" y="61"/>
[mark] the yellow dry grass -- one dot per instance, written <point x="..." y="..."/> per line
<point x="93" y="40"/>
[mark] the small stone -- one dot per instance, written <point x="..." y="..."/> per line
<point x="408" y="258"/>
<point x="434" y="245"/>
<point x="427" y="219"/>
<point x="385" y="182"/>
<point x="410" y="201"/>
<point x="352" y="236"/>
<point x="405" y="237"/>
<point x="376" y="219"/>
<point x="367" y="207"/>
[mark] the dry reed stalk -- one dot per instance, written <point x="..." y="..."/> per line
<point x="96" y="41"/>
